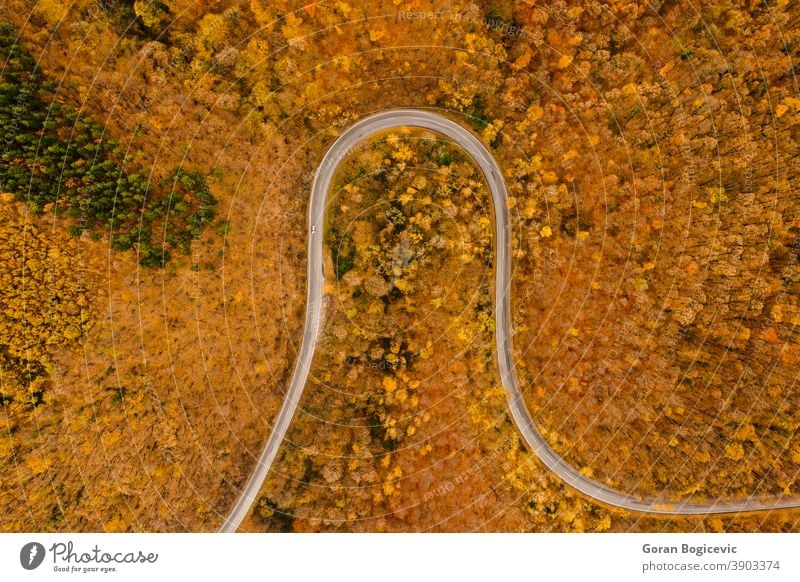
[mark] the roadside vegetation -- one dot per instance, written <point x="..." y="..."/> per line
<point x="404" y="373"/>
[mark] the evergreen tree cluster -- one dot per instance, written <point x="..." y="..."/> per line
<point x="58" y="160"/>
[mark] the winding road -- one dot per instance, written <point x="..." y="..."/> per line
<point x="467" y="141"/>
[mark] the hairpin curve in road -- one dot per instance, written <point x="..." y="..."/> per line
<point x="351" y="137"/>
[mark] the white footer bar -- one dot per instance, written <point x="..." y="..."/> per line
<point x="399" y="557"/>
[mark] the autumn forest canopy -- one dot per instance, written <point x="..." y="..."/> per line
<point x="157" y="160"/>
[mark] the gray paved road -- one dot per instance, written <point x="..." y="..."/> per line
<point x="466" y="140"/>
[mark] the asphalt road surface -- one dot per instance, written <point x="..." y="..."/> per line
<point x="355" y="134"/>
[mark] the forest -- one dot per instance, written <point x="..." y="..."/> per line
<point x="61" y="162"/>
<point x="409" y="325"/>
<point x="650" y="152"/>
